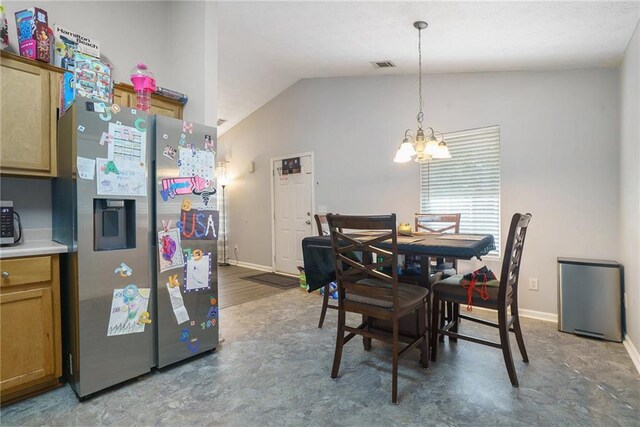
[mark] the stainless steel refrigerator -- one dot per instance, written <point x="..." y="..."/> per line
<point x="109" y="208"/>
<point x="185" y="205"/>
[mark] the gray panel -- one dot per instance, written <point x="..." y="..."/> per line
<point x="590" y="299"/>
<point x="102" y="361"/>
<point x="169" y="132"/>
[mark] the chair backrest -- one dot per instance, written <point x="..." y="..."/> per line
<point x="437" y="223"/>
<point x="322" y="224"/>
<point x="364" y="234"/>
<point x="512" y="258"/>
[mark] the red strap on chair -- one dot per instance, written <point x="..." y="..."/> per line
<point x="471" y="286"/>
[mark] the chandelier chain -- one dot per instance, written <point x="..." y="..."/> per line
<point x="420" y="114"/>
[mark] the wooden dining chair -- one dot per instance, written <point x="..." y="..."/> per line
<point x="499" y="298"/>
<point x="441" y="223"/>
<point x="323" y="230"/>
<point x="365" y="288"/>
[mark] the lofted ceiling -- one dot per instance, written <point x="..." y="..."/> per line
<point x="265" y="47"/>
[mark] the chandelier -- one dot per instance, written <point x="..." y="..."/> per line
<point x="423" y="144"/>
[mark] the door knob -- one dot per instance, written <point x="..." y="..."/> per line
<point x="306" y="222"/>
<point x="5" y="274"/>
<point x="308" y="213"/>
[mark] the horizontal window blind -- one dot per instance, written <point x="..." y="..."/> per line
<point x="468" y="183"/>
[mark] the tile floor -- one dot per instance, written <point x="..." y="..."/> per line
<point x="273" y="369"/>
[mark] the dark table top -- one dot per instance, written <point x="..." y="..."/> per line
<point x="319" y="264"/>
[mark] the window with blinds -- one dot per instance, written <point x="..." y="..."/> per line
<point x="468" y="183"/>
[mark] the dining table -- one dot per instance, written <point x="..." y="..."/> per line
<point x="319" y="265"/>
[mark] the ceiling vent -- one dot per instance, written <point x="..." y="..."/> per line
<point x="221" y="122"/>
<point x="384" y="64"/>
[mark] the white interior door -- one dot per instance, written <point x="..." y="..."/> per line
<point x="293" y="219"/>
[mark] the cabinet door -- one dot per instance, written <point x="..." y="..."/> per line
<point x="121" y="98"/>
<point x="28" y="349"/>
<point x="28" y="114"/>
<point x="163" y="108"/>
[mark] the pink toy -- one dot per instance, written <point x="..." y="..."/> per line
<point x="144" y="83"/>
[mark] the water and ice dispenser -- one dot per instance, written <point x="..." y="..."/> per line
<point x="114" y="224"/>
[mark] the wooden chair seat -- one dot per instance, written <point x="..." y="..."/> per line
<point x="451" y="291"/>
<point x="408" y="295"/>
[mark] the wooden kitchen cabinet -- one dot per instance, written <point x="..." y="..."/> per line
<point x="122" y="98"/>
<point x="31" y="352"/>
<point x="124" y="95"/>
<point x="28" y="111"/>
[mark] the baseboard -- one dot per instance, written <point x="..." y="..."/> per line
<point x="253" y="266"/>
<point x="633" y="352"/>
<point x="539" y="315"/>
<point x="531" y="314"/>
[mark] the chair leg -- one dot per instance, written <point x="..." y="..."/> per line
<point x="443" y="318"/>
<point x="366" y="342"/>
<point x="506" y="348"/>
<point x="394" y="369"/>
<point x="518" y="332"/>
<point x="435" y="322"/>
<point x="423" y="315"/>
<point x="339" y="344"/>
<point x="325" y="304"/>
<point x="455" y="318"/>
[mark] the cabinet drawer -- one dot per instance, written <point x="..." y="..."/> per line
<point x="22" y="271"/>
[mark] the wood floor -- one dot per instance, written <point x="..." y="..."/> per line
<point x="234" y="290"/>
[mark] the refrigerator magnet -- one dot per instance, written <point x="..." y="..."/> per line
<point x="140" y="125"/>
<point x="106" y="138"/>
<point x="145" y="317"/>
<point x="173" y="281"/>
<point x="105" y="116"/>
<point x="193" y="345"/>
<point x="123" y="270"/>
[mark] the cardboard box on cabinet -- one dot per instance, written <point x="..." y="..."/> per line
<point x="34" y="35"/>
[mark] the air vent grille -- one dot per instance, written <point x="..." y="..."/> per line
<point x="384" y="64"/>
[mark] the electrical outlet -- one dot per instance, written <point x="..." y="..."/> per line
<point x="235" y="247"/>
<point x="533" y="284"/>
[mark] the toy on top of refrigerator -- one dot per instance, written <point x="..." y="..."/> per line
<point x="144" y="83"/>
<point x="93" y="78"/>
<point x="34" y="38"/>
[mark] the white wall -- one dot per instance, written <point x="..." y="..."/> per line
<point x="559" y="148"/>
<point x="191" y="53"/>
<point x="177" y="40"/>
<point x="630" y="182"/>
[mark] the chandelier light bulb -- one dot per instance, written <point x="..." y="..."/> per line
<point x="401" y="157"/>
<point x="407" y="148"/>
<point x="442" y="151"/>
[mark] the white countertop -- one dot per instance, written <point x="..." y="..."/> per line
<point x="37" y="247"/>
<point x="35" y="243"/>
